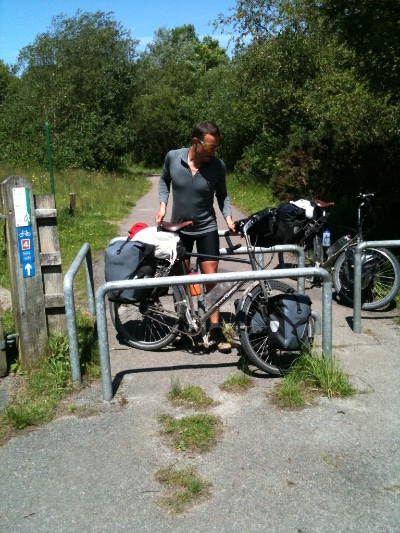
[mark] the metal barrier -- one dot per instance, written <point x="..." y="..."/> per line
<point x="357" y="276"/>
<point x="206" y="278"/>
<point x="85" y="254"/>
<point x="68" y="284"/>
<point x="226" y="251"/>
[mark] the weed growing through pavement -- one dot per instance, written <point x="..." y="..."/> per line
<point x="310" y="376"/>
<point x="183" y="488"/>
<point x="229" y="332"/>
<point x="196" y="433"/>
<point x="237" y="383"/>
<point x="190" y="396"/>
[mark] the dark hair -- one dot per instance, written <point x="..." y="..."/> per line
<point x="204" y="128"/>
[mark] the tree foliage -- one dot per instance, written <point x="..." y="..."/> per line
<point x="80" y="77"/>
<point x="308" y="103"/>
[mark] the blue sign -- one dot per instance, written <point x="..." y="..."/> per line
<point x="28" y="270"/>
<point x="26" y="251"/>
<point x="25" y="244"/>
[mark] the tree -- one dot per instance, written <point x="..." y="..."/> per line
<point x="329" y="107"/>
<point x="171" y="70"/>
<point x="80" y="77"/>
<point x="371" y="29"/>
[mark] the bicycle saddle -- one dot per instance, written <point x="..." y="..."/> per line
<point x="322" y="204"/>
<point x="172" y="226"/>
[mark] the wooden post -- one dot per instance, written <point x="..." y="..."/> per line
<point x="50" y="262"/>
<point x="72" y="203"/>
<point x="23" y="262"/>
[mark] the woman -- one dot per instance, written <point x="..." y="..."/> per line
<point x="196" y="175"/>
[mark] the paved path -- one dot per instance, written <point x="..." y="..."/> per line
<point x="333" y="467"/>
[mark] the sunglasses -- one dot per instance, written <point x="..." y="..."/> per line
<point x="208" y="147"/>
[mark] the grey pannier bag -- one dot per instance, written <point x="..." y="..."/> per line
<point x="128" y="260"/>
<point x="289" y="318"/>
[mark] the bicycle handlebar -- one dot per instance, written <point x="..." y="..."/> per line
<point x="366" y="195"/>
<point x="231" y="246"/>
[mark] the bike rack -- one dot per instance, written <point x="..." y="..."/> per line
<point x="85" y="255"/>
<point x="252" y="275"/>
<point x="226" y="251"/>
<point x="357" y="276"/>
<point x="69" y="300"/>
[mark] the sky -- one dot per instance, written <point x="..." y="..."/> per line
<point x="22" y="20"/>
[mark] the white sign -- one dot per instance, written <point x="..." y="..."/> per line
<point x="22" y="207"/>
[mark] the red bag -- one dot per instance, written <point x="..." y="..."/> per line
<point x="136" y="228"/>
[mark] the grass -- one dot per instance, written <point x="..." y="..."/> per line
<point x="190" y="396"/>
<point x="103" y="199"/>
<point x="250" y="196"/>
<point x="183" y="487"/>
<point x="48" y="381"/>
<point x="196" y="433"/>
<point x="237" y="383"/>
<point x="311" y="376"/>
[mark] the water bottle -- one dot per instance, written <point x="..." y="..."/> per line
<point x="326" y="238"/>
<point x="338" y="244"/>
<point x="217" y="292"/>
<point x="195" y="290"/>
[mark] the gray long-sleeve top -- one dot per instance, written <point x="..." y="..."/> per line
<point x="193" y="196"/>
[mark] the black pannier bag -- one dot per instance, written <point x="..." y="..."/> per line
<point x="289" y="318"/>
<point x="290" y="221"/>
<point x="129" y="260"/>
<point x="281" y="225"/>
<point x="262" y="233"/>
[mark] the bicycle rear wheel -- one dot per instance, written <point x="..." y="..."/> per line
<point x="253" y="328"/>
<point x="383" y="285"/>
<point x="152" y="325"/>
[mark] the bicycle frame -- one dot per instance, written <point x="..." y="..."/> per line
<point x="318" y="227"/>
<point x="197" y="319"/>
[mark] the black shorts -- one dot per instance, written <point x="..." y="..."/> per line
<point x="207" y="243"/>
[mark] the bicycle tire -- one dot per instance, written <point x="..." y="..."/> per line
<point x="383" y="286"/>
<point x="253" y="331"/>
<point x="150" y="327"/>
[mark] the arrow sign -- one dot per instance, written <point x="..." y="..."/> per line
<point x="28" y="270"/>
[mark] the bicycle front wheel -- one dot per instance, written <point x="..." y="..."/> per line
<point x="383" y="285"/>
<point x="253" y="328"/>
<point x="312" y="254"/>
<point x="152" y="325"/>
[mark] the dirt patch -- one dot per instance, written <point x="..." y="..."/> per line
<point x="5" y="299"/>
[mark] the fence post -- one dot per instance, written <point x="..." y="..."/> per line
<point x="23" y="262"/>
<point x="50" y="262"/>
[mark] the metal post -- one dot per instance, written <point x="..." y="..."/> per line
<point x="70" y="308"/>
<point x="357" y="276"/>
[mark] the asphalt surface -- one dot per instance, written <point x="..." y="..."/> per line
<point x="331" y="467"/>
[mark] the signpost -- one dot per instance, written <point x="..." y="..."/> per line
<point x="23" y="259"/>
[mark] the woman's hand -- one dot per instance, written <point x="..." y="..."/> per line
<point x="231" y="224"/>
<point x="161" y="213"/>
